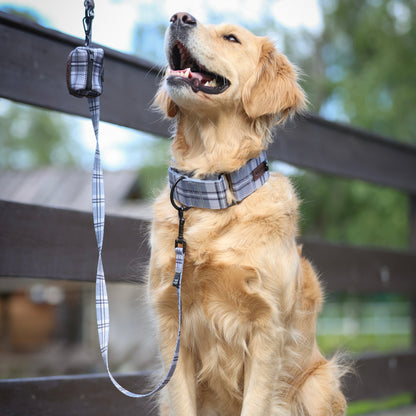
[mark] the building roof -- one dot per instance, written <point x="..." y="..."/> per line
<point x="71" y="189"/>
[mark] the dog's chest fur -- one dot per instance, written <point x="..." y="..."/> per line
<point x="231" y="279"/>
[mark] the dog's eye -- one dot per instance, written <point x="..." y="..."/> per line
<point x="231" y="38"/>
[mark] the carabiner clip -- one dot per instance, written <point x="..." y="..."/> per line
<point x="87" y="20"/>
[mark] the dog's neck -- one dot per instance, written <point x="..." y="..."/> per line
<point x="216" y="144"/>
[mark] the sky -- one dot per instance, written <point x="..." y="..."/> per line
<point x="115" y="26"/>
<point x="115" y="20"/>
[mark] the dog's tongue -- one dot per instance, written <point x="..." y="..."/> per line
<point x="201" y="77"/>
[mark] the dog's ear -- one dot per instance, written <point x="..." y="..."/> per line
<point x="164" y="103"/>
<point x="273" y="88"/>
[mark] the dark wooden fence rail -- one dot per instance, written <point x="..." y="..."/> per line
<point x="44" y="242"/>
<point x="39" y="242"/>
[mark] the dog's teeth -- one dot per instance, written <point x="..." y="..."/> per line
<point x="212" y="83"/>
<point x="187" y="72"/>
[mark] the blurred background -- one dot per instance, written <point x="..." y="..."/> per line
<point x="358" y="60"/>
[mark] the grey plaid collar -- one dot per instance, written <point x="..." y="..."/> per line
<point x="210" y="192"/>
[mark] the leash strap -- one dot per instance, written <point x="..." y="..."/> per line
<point x="101" y="297"/>
<point x="211" y="192"/>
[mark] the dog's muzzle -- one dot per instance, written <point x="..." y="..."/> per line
<point x="184" y="67"/>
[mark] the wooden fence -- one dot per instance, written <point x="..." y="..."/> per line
<point x="42" y="242"/>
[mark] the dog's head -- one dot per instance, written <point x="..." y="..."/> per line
<point x="224" y="67"/>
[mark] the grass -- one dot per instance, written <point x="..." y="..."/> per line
<point x="367" y="406"/>
<point x="364" y="343"/>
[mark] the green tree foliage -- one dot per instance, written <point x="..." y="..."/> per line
<point x="368" y="61"/>
<point x="30" y="137"/>
<point x="351" y="211"/>
<point x="361" y="71"/>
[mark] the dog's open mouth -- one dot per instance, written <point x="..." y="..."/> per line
<point x="185" y="68"/>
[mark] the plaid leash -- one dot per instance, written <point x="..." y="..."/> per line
<point x="101" y="297"/>
<point x="84" y="76"/>
<point x="210" y="193"/>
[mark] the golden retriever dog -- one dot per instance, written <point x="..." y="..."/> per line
<point x="250" y="301"/>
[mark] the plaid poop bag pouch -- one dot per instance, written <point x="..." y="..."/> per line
<point x="85" y="72"/>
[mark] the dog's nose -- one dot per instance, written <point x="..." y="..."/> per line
<point x="184" y="19"/>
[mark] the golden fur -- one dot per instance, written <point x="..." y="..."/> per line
<point x="250" y="300"/>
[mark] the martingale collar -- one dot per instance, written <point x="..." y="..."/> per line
<point x="210" y="193"/>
